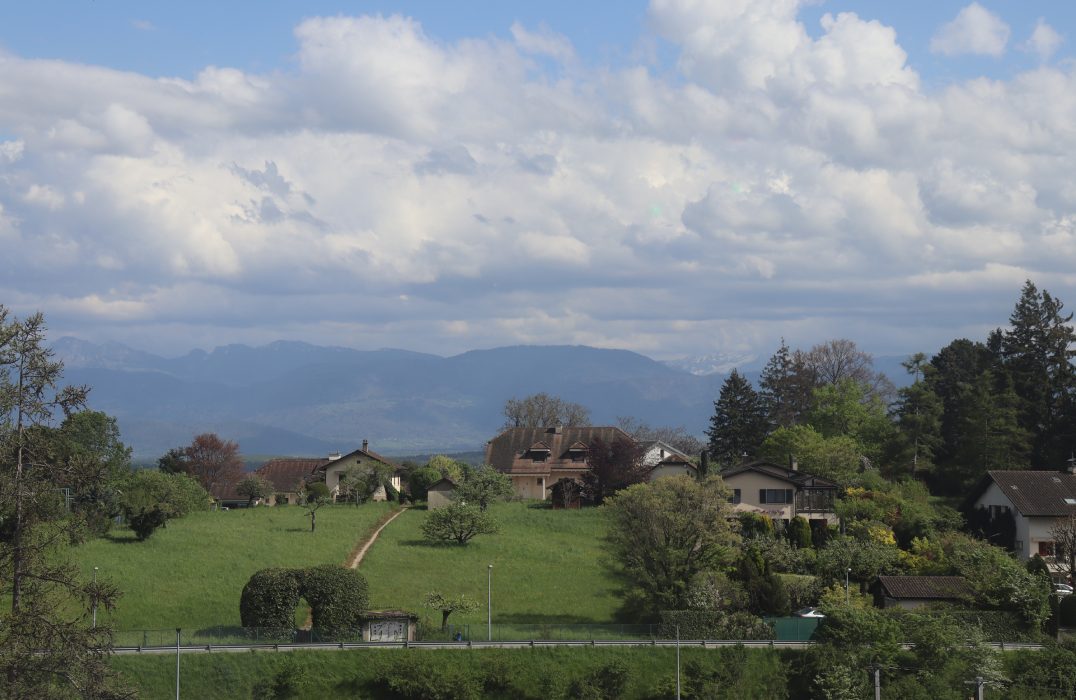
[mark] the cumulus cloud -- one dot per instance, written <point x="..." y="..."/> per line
<point x="974" y="30"/>
<point x="1044" y="41"/>
<point x="398" y="190"/>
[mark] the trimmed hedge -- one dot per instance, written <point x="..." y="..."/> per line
<point x="269" y="599"/>
<point x="337" y="597"/>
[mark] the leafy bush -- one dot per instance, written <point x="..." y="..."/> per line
<point x="146" y="520"/>
<point x="1068" y="611"/>
<point x="755" y="525"/>
<point x="337" y="598"/>
<point x="606" y="682"/>
<point x="420" y="481"/>
<point x="426" y="677"/>
<point x="802" y="591"/>
<point x="269" y="599"/>
<point x="287" y="682"/>
<point x="458" y="522"/>
<point x="799" y="532"/>
<point x="713" y="624"/>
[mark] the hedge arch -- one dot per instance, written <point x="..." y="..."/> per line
<point x="269" y="600"/>
<point x="337" y="597"/>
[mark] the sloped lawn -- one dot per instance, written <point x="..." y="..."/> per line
<point x="546" y="568"/>
<point x="190" y="574"/>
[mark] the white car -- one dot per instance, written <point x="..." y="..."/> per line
<point x="810" y="612"/>
<point x="1062" y="589"/>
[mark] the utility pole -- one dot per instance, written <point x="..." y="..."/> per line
<point x="95" y="597"/>
<point x="489" y="604"/>
<point x="177" y="662"/>
<point x="979" y="682"/>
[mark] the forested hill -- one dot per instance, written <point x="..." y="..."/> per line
<point x="296" y="398"/>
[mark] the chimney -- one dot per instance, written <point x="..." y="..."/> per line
<point x="558" y="430"/>
<point x="793" y="464"/>
<point x="365" y="444"/>
<point x="1071" y="464"/>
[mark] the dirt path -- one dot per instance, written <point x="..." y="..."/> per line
<point x="357" y="554"/>
<point x="356" y="557"/>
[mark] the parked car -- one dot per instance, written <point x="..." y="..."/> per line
<point x="1062" y="589"/>
<point x="809" y="612"/>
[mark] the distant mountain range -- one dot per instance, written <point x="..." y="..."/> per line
<point x="299" y="399"/>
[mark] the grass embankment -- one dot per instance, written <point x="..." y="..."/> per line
<point x="190" y="574"/>
<point x="516" y="673"/>
<point x="546" y="568"/>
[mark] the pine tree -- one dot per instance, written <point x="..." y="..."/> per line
<point x="777" y="389"/>
<point x="919" y="413"/>
<point x="738" y="425"/>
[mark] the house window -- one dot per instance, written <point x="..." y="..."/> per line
<point x="578" y="456"/>
<point x="539" y="457"/>
<point x="1046" y="549"/>
<point x="775" y="496"/>
<point x="735" y="498"/>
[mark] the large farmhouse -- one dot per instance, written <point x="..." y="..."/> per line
<point x="537" y="458"/>
<point x="289" y="475"/>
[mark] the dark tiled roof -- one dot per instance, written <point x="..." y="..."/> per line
<point x="925" y="587"/>
<point x="793" y="476"/>
<point x="226" y="490"/>
<point x="509" y="452"/>
<point x="287" y="475"/>
<point x="1041" y="493"/>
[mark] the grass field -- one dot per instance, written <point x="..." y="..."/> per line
<point x="546" y="567"/>
<point x="191" y="573"/>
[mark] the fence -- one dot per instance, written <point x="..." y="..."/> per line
<point x="785" y="629"/>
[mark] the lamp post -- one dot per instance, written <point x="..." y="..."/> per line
<point x="847" y="599"/>
<point x="178" y="630"/>
<point x="95" y="597"/>
<point x="489" y="603"/>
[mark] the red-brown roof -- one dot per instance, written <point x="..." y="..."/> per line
<point x="288" y="474"/>
<point x="513" y="450"/>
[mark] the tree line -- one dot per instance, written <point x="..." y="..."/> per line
<point x="1006" y="403"/>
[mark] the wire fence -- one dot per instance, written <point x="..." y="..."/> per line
<point x="785" y="629"/>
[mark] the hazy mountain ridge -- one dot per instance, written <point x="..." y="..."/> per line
<point x="296" y="398"/>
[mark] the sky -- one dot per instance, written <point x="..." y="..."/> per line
<point x="674" y="177"/>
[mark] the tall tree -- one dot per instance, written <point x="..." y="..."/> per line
<point x="212" y="460"/>
<point x="665" y="532"/>
<point x="543" y="411"/>
<point x="738" y="425"/>
<point x="47" y="647"/>
<point x="780" y="388"/>
<point x="1038" y="350"/>
<point x="840" y="359"/>
<point x="611" y="466"/>
<point x="919" y="412"/>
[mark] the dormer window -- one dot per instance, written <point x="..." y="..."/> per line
<point x="539" y="452"/>
<point x="578" y="452"/>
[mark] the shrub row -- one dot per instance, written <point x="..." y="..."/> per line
<point x="337" y="597"/>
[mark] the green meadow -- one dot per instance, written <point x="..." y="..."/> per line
<point x="546" y="567"/>
<point x="190" y="574"/>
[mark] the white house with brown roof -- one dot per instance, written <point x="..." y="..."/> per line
<point x="364" y="456"/>
<point x="537" y="458"/>
<point x="782" y="493"/>
<point x="289" y="475"/>
<point x="1037" y="500"/>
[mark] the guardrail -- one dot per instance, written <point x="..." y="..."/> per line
<point x="518" y="644"/>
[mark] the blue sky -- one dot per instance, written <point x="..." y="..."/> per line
<point x="673" y="177"/>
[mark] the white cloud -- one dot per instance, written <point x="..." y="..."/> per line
<point x="1044" y="41"/>
<point x="974" y="30"/>
<point x="397" y="190"/>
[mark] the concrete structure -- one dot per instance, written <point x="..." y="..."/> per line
<point x="782" y="493"/>
<point x="389" y="626"/>
<point x="439" y="494"/>
<point x="1036" y="500"/>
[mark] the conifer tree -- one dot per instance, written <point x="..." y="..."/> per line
<point x="738" y="425"/>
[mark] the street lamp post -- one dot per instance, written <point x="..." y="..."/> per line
<point x="847" y="599"/>
<point x="95" y="597"/>
<point x="489" y="603"/>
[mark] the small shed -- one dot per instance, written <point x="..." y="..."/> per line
<point x="389" y="626"/>
<point x="439" y="494"/>
<point x="911" y="592"/>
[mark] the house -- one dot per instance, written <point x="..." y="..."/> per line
<point x="1033" y="501"/>
<point x="224" y="494"/>
<point x="337" y="466"/>
<point x="537" y="458"/>
<point x="782" y="492"/>
<point x="289" y="476"/>
<point x="665" y="460"/>
<point x="911" y="592"/>
<point x="439" y="494"/>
